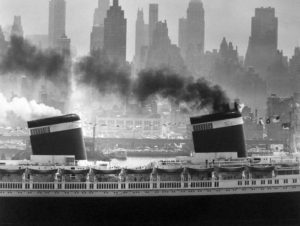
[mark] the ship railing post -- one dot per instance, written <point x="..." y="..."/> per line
<point x="87" y="181"/>
<point x="273" y="174"/>
<point x="119" y="184"/>
<point x="63" y="181"/>
<point x="24" y="180"/>
<point x="189" y="181"/>
<point x="56" y="181"/>
<point x="182" y="180"/>
<point x="243" y="175"/>
<point x="30" y="182"/>
<point x="213" y="178"/>
<point x="158" y="182"/>
<point x="95" y="182"/>
<point x="151" y="181"/>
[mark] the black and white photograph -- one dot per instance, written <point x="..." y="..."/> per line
<point x="150" y="112"/>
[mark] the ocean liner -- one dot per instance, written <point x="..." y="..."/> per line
<point x="216" y="179"/>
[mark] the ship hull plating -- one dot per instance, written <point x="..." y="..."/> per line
<point x="247" y="209"/>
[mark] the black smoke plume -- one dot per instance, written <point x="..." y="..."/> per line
<point x="106" y="76"/>
<point x="109" y="77"/>
<point x="198" y="94"/>
<point x="22" y="57"/>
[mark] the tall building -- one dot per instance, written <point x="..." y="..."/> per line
<point x="64" y="45"/>
<point x="3" y="43"/>
<point x="97" y="34"/>
<point x="115" y="28"/>
<point x="17" y="29"/>
<point x="162" y="53"/>
<point x="140" y="33"/>
<point x="182" y="35"/>
<point x="191" y="35"/>
<point x="262" y="47"/>
<point x="100" y="12"/>
<point x="141" y="41"/>
<point x="57" y="21"/>
<point x="294" y="64"/>
<point x="153" y="19"/>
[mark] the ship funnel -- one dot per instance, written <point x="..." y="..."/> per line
<point x="219" y="135"/>
<point x="61" y="135"/>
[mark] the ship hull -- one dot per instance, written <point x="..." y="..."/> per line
<point x="246" y="209"/>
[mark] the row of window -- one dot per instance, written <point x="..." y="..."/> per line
<point x="10" y="186"/>
<point x="285" y="181"/>
<point x="202" y="127"/>
<point x="129" y="123"/>
<point x="170" y="185"/>
<point x="39" y="131"/>
<point x="201" y="184"/>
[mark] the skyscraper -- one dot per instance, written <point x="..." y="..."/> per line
<point x="140" y="36"/>
<point x="115" y="28"/>
<point x="153" y="19"/>
<point x="141" y="41"/>
<point x="17" y="29"/>
<point x="262" y="47"/>
<point x="191" y="35"/>
<point x="57" y="21"/>
<point x="182" y="35"/>
<point x="3" y="43"/>
<point x="100" y="12"/>
<point x="195" y="27"/>
<point x="162" y="53"/>
<point x="97" y="34"/>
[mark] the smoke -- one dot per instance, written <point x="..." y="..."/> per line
<point x="197" y="94"/>
<point x="106" y="76"/>
<point x="22" y="57"/>
<point x="109" y="77"/>
<point x="23" y="109"/>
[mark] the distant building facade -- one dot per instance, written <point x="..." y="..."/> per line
<point x="3" y="43"/>
<point x="192" y="35"/>
<point x="162" y="53"/>
<point x="115" y="29"/>
<point x="97" y="34"/>
<point x="130" y="127"/>
<point x="262" y="47"/>
<point x="17" y="29"/>
<point x="153" y="19"/>
<point x="141" y="41"/>
<point x="294" y="69"/>
<point x="57" y="21"/>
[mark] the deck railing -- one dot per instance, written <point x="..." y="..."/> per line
<point x="155" y="185"/>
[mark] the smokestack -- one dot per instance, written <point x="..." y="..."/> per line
<point x="61" y="135"/>
<point x="219" y="135"/>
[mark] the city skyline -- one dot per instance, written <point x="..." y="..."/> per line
<point x="78" y="26"/>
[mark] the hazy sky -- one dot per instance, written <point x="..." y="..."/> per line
<point x="229" y="18"/>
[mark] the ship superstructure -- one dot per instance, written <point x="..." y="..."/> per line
<point x="59" y="168"/>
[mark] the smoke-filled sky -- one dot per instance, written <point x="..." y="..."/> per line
<point x="229" y="18"/>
